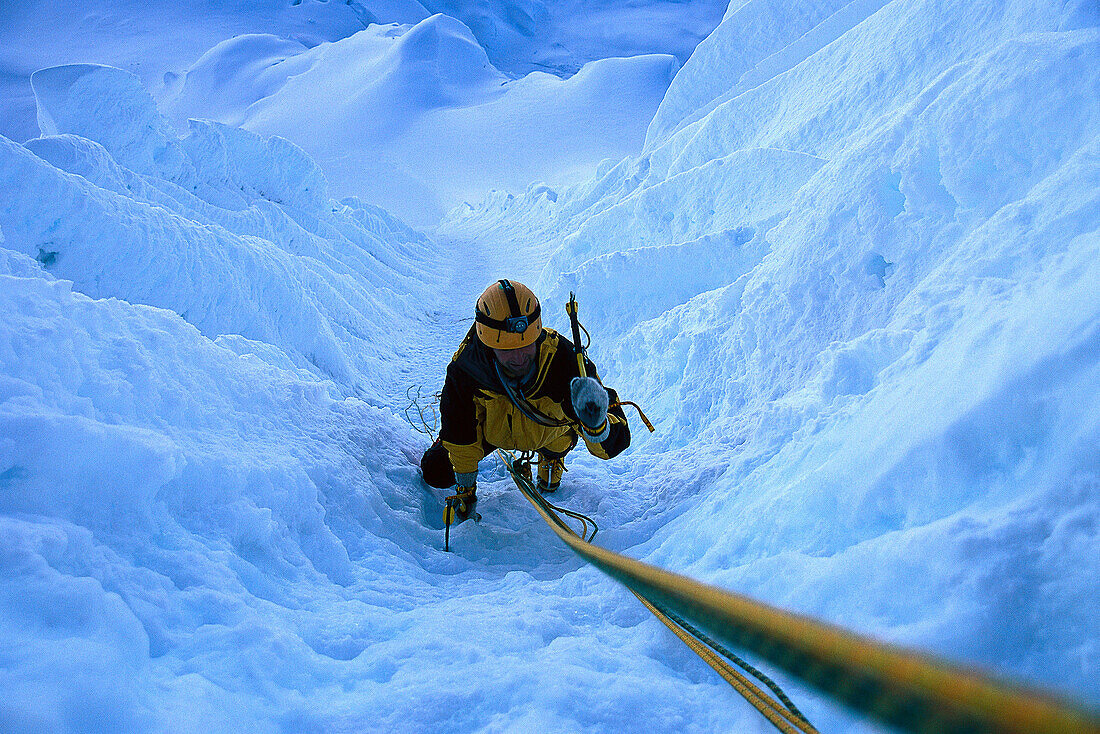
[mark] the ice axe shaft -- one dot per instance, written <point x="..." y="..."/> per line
<point x="575" y="324"/>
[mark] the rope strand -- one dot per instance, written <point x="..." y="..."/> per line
<point x="414" y="403"/>
<point x="786" y="717"/>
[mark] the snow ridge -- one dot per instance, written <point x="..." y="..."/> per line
<point x="184" y="218"/>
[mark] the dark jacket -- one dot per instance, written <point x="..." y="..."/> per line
<point x="477" y="414"/>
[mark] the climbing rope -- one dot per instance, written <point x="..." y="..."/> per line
<point x="638" y="408"/>
<point x="420" y="424"/>
<point x="786" y="716"/>
<point x="740" y="662"/>
<point x="524" y="463"/>
<point x="912" y="692"/>
<point x="585" y="521"/>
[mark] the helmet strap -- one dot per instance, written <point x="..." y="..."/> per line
<point x="510" y="294"/>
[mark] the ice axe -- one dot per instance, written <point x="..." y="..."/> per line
<point x="575" y="324"/>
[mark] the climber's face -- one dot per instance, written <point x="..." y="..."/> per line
<point x="517" y="362"/>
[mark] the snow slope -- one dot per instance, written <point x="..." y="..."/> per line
<point x="417" y="120"/>
<point x="211" y="513"/>
<point x="407" y="109"/>
<point x="521" y="36"/>
<point x="181" y="218"/>
<point x="856" y="287"/>
<point x="156" y="40"/>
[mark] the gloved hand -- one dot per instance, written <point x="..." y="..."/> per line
<point x="460" y="506"/>
<point x="590" y="403"/>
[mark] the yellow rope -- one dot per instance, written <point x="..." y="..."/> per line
<point x="775" y="712"/>
<point x="425" y="428"/>
<point x="913" y="692"/>
<point x="781" y="717"/>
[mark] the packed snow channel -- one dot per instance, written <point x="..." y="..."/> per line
<point x="212" y="514"/>
<point x="863" y="315"/>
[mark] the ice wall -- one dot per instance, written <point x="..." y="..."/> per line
<point x="183" y="326"/>
<point x="234" y="232"/>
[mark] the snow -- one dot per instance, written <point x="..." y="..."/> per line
<point x="417" y="120"/>
<point x="183" y="217"/>
<point x="160" y="38"/>
<point x="847" y="258"/>
<point x="561" y="37"/>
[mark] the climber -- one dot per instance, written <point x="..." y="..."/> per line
<point x="515" y="385"/>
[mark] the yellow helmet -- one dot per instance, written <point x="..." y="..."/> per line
<point x="508" y="316"/>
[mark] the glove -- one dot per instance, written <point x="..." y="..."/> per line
<point x="460" y="506"/>
<point x="590" y="403"/>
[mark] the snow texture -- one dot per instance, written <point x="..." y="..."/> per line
<point x="417" y="120"/>
<point x="852" y="272"/>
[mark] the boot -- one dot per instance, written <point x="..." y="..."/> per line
<point x="523" y="468"/>
<point x="550" y="471"/>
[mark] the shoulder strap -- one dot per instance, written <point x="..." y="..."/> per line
<point x="525" y="407"/>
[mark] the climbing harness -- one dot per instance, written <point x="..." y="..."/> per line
<point x="910" y="691"/>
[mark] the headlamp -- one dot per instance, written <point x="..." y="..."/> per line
<point x="510" y="325"/>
